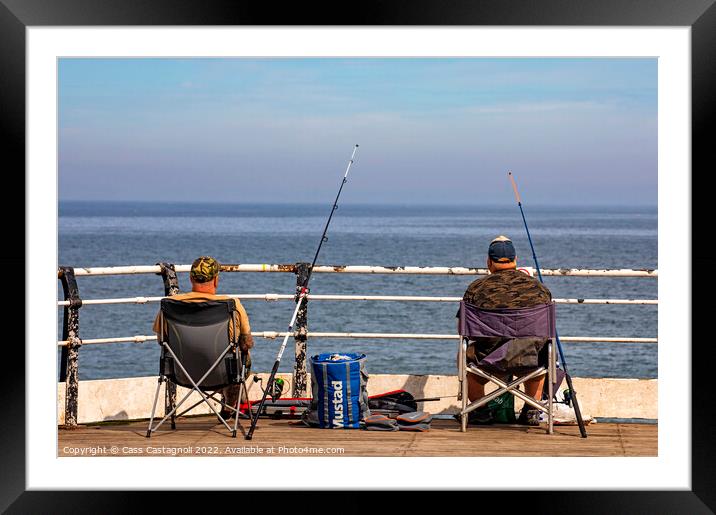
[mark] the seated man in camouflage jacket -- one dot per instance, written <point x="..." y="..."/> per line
<point x="505" y="287"/>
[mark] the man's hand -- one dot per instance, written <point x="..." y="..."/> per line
<point x="246" y="342"/>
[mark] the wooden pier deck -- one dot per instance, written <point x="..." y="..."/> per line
<point x="204" y="436"/>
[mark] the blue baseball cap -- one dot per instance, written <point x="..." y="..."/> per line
<point x="501" y="250"/>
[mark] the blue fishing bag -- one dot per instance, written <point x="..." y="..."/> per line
<point x="338" y="385"/>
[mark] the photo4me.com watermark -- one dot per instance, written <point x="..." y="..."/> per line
<point x="207" y="450"/>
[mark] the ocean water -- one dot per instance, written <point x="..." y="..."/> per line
<point x="95" y="234"/>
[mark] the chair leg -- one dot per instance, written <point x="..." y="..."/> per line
<point x="463" y="414"/>
<point x="187" y="410"/>
<point x="154" y="407"/>
<point x="550" y="378"/>
<point x="512" y="387"/>
<point x="236" y="419"/>
<point x="201" y="394"/>
<point x="195" y="387"/>
<point x="237" y="414"/>
<point x="463" y="385"/>
<point x="243" y="393"/>
<point x="459" y="368"/>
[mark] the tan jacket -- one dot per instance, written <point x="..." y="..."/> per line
<point x="241" y="319"/>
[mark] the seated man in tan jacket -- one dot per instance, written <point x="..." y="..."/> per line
<point x="204" y="276"/>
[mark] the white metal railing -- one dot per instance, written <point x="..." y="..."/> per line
<point x="394" y="298"/>
<point x="363" y="269"/>
<point x="411" y="336"/>
<point x="71" y="343"/>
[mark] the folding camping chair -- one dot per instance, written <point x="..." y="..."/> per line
<point x="513" y="325"/>
<point x="197" y="353"/>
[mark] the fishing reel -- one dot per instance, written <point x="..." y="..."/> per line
<point x="566" y="398"/>
<point x="275" y="389"/>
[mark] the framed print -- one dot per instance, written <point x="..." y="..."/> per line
<point x="92" y="82"/>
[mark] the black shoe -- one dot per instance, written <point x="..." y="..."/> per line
<point x="529" y="417"/>
<point x="478" y="417"/>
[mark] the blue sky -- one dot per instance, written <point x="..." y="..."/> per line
<point x="438" y="131"/>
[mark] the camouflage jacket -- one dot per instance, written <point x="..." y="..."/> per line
<point x="507" y="289"/>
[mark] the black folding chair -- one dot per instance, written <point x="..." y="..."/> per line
<point x="198" y="353"/>
<point x="521" y="329"/>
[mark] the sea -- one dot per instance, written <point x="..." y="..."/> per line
<point x="99" y="234"/>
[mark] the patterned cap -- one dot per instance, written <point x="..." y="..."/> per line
<point x="204" y="269"/>
<point x="501" y="250"/>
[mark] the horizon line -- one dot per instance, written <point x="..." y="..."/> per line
<point x="349" y="203"/>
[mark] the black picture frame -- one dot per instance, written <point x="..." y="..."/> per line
<point x="699" y="15"/>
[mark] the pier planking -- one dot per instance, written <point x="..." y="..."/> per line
<point x="207" y="437"/>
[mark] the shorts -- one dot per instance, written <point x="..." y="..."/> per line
<point x="518" y="357"/>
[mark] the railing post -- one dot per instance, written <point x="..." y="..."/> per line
<point x="171" y="287"/>
<point x="169" y="275"/>
<point x="69" y="372"/>
<point x="301" y="337"/>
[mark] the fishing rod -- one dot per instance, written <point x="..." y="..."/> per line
<point x="299" y="300"/>
<point x="572" y="392"/>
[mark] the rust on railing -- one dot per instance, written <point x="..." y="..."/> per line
<point x="171" y="287"/>
<point x="69" y="359"/>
